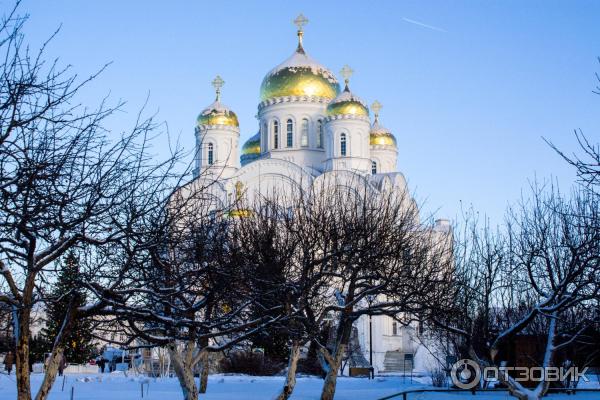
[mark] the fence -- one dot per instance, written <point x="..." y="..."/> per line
<point x="405" y="394"/>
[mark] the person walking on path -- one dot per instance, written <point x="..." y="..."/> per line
<point x="9" y="360"/>
<point x="62" y="364"/>
<point x="102" y="364"/>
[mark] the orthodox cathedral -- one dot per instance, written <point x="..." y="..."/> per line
<point x="310" y="129"/>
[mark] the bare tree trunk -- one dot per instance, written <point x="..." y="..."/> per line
<point x="184" y="373"/>
<point x="290" y="381"/>
<point x="22" y="368"/>
<point x="519" y="391"/>
<point x="57" y="354"/>
<point x="50" y="375"/>
<point x="22" y="356"/>
<point x="331" y="378"/>
<point x="204" y="371"/>
<point x="204" y="365"/>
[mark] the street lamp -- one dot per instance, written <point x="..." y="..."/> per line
<point x="370" y="299"/>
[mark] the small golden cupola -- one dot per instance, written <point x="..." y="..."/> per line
<point x="217" y="113"/>
<point x="250" y="150"/>
<point x="300" y="75"/>
<point x="217" y="136"/>
<point x="347" y="103"/>
<point x="379" y="135"/>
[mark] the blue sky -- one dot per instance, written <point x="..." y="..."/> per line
<point x="469" y="96"/>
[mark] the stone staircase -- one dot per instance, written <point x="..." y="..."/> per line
<point x="394" y="362"/>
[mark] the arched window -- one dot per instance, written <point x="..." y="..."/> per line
<point x="343" y="145"/>
<point x="275" y="134"/>
<point x="304" y="137"/>
<point x="320" y="134"/>
<point x="290" y="133"/>
<point x="373" y="167"/>
<point x="394" y="328"/>
<point x="210" y="156"/>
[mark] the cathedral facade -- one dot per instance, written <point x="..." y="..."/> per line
<point x="310" y="129"/>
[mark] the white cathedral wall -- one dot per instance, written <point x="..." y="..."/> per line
<point x="386" y="159"/>
<point x="357" y="146"/>
<point x="384" y="339"/>
<point x="428" y="354"/>
<point x="306" y="156"/>
<point x="270" y="176"/>
<point x="226" y="157"/>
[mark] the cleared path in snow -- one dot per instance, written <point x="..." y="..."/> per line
<point x="241" y="387"/>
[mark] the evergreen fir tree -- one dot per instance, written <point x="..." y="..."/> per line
<point x="78" y="341"/>
<point x="39" y="346"/>
<point x="274" y="340"/>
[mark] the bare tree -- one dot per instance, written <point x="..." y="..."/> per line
<point x="280" y="240"/>
<point x="530" y="277"/>
<point x="185" y="288"/>
<point x="587" y="163"/>
<point x="374" y="258"/>
<point x="479" y="287"/>
<point x="556" y="251"/>
<point x="65" y="182"/>
<point x="339" y="252"/>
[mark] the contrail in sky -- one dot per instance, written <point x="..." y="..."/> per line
<point x="412" y="21"/>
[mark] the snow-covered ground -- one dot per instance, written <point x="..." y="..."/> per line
<point x="239" y="387"/>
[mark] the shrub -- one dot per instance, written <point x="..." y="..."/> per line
<point x="438" y="377"/>
<point x="245" y="362"/>
<point x="310" y="366"/>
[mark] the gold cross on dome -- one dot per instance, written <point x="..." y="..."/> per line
<point x="346" y="72"/>
<point x="300" y="21"/>
<point x="376" y="107"/>
<point x="218" y="83"/>
<point x="239" y="190"/>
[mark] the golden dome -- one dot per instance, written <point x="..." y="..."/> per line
<point x="380" y="135"/>
<point x="241" y="213"/>
<point x="347" y="103"/>
<point x="218" y="114"/>
<point x="298" y="81"/>
<point x="299" y="75"/>
<point x="252" y="145"/>
<point x="250" y="150"/>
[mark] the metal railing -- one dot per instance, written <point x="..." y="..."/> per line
<point x="405" y="394"/>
